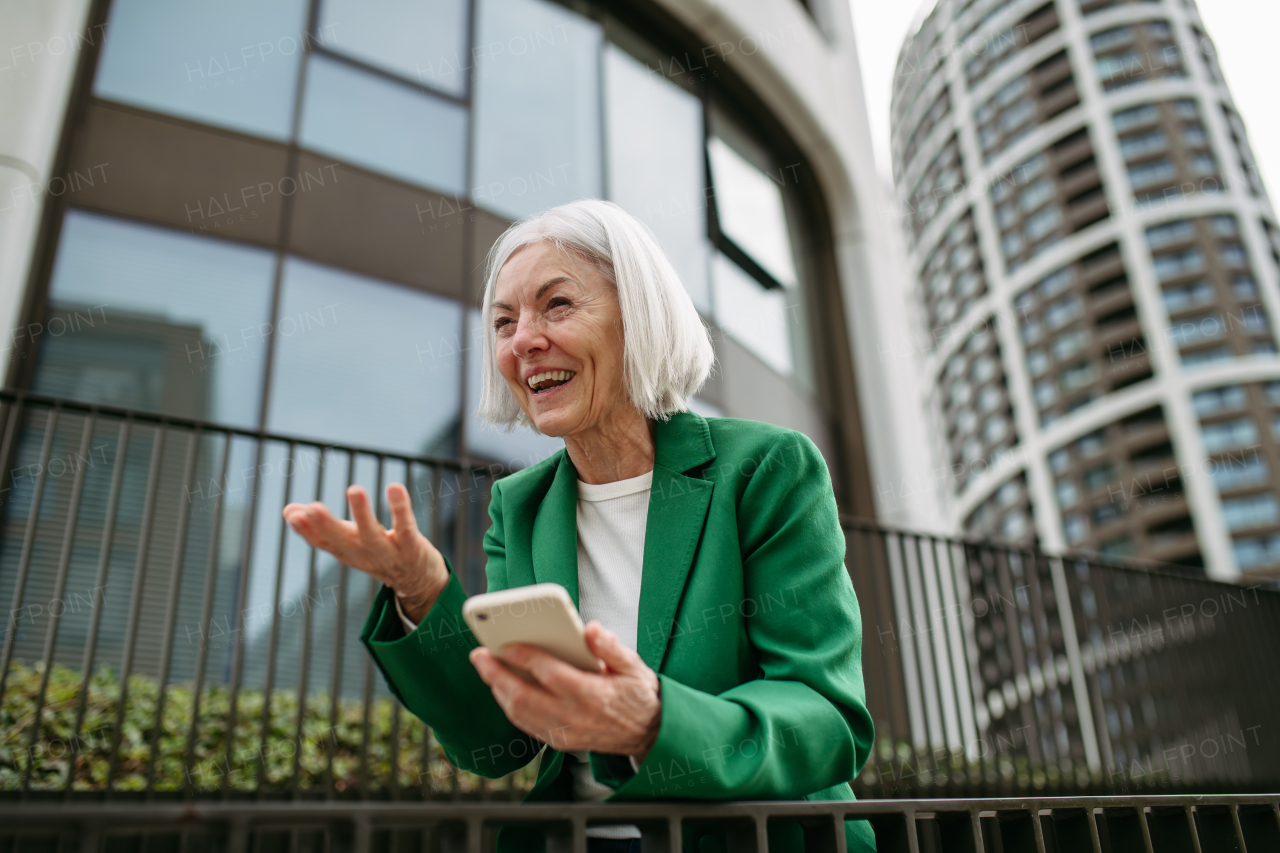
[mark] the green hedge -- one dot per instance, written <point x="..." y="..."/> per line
<point x="50" y="757"/>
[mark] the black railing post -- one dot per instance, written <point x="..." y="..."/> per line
<point x="59" y="589"/>
<point x="171" y="605"/>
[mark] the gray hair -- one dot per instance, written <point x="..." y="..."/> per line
<point x="667" y="352"/>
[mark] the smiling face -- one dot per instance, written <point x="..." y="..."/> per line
<point x="559" y="340"/>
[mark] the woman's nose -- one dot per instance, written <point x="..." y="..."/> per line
<point x="529" y="337"/>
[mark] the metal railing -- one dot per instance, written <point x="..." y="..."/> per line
<point x="1243" y="824"/>
<point x="168" y="637"/>
<point x="1000" y="671"/>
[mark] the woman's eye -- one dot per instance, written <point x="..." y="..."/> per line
<point x="557" y="302"/>
<point x="499" y="323"/>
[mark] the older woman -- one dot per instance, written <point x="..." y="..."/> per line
<point x="705" y="554"/>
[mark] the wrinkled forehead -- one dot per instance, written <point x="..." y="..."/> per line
<point x="535" y="268"/>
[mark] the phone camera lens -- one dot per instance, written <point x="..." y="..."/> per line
<point x="482" y="616"/>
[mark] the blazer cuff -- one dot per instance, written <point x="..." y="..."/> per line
<point x="409" y="625"/>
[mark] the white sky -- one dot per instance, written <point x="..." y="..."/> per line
<point x="1243" y="30"/>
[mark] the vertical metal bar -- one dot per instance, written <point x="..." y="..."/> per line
<point x="238" y="835"/>
<point x="930" y="676"/>
<point x="862" y="576"/>
<point x="1037" y="828"/>
<point x="393" y="783"/>
<point x="434" y="527"/>
<point x="902" y="610"/>
<point x="955" y="598"/>
<point x="273" y="637"/>
<point x="371" y="586"/>
<point x="975" y="826"/>
<point x="1013" y="627"/>
<point x="90" y="833"/>
<point x="28" y="544"/>
<point x="304" y="674"/>
<point x="1142" y="825"/>
<point x="913" y="831"/>
<point x="171" y="607"/>
<point x="1191" y="828"/>
<point x="95" y="619"/>
<point x="946" y="677"/>
<point x="206" y="611"/>
<point x="59" y="588"/>
<point x="135" y="601"/>
<point x="1239" y="830"/>
<point x="877" y="546"/>
<point x="1079" y="689"/>
<point x="242" y="587"/>
<point x="360" y="834"/>
<point x="1094" y="838"/>
<point x="335" y="674"/>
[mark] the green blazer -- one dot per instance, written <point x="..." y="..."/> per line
<point x="746" y="613"/>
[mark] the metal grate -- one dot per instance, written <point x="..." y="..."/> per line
<point x="1056" y="825"/>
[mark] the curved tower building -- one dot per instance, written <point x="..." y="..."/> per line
<point x="1097" y="264"/>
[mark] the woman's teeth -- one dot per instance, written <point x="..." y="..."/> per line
<point x="549" y="379"/>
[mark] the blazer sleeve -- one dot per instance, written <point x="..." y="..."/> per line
<point x="429" y="671"/>
<point x="802" y="726"/>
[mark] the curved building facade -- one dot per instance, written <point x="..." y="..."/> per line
<point x="280" y="214"/>
<point x="1097" y="265"/>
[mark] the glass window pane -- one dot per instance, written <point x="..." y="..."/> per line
<point x="754" y="315"/>
<point x="233" y="64"/>
<point x="749" y="207"/>
<point x="517" y="449"/>
<point x="424" y="40"/>
<point x="152" y="319"/>
<point x="537" y="103"/>
<point x="655" y="164"/>
<point x="388" y="127"/>
<point x="360" y="361"/>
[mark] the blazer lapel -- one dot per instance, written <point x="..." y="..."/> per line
<point x="555" y="531"/>
<point x="678" y="507"/>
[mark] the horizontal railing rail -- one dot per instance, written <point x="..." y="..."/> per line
<point x="168" y="637"/>
<point x="1247" y="824"/>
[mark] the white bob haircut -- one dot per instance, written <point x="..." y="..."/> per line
<point x="667" y="353"/>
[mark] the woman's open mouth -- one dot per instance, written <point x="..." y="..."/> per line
<point x="541" y="383"/>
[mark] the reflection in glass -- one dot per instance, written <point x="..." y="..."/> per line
<point x="517" y="449"/>
<point x="232" y="64"/>
<point x="363" y="362"/>
<point x="537" y="105"/>
<point x="423" y="40"/>
<point x="750" y="212"/>
<point x="147" y="318"/>
<point x="388" y="127"/>
<point x="655" y="164"/>
<point x="754" y="315"/>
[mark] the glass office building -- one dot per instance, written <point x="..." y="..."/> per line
<point x="1098" y="263"/>
<point x="294" y="203"/>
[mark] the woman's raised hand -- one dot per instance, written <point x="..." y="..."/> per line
<point x="401" y="557"/>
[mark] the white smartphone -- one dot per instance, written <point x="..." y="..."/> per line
<point x="540" y="614"/>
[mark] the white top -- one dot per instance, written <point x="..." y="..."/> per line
<point x="611" y="524"/>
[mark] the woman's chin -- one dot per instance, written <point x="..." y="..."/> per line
<point x="552" y="423"/>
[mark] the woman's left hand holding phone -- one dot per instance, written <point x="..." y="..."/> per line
<point x="617" y="711"/>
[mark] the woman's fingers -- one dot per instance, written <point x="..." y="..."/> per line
<point x="362" y="512"/>
<point x="605" y="645"/>
<point x="402" y="521"/>
<point x="318" y="526"/>
<point x="529" y="705"/>
<point x="558" y="677"/>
